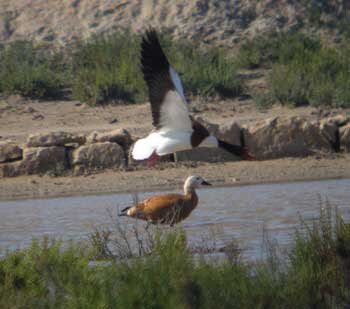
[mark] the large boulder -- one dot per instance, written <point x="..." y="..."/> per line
<point x="9" y="151"/>
<point x="329" y="129"/>
<point x="59" y="138"/>
<point x="344" y="136"/>
<point x="120" y="136"/>
<point x="204" y="155"/>
<point x="339" y="119"/>
<point x="98" y="156"/>
<point x="11" y="169"/>
<point x="230" y="133"/>
<point x="41" y="160"/>
<point x="281" y="137"/>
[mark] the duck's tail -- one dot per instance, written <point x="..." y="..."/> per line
<point x="124" y="211"/>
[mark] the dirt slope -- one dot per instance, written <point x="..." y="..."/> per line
<point x="224" y="22"/>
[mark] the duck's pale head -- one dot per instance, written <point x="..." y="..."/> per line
<point x="193" y="182"/>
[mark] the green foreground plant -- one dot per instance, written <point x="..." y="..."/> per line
<point x="314" y="274"/>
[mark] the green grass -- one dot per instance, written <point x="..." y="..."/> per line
<point x="313" y="77"/>
<point x="204" y="72"/>
<point x="106" y="69"/>
<point x="303" y="70"/>
<point x="314" y="273"/>
<point x="31" y="71"/>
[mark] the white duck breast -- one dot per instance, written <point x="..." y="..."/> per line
<point x="162" y="143"/>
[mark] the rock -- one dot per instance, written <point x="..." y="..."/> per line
<point x="54" y="139"/>
<point x="12" y="169"/>
<point x="120" y="136"/>
<point x="113" y="120"/>
<point x="213" y="128"/>
<point x="204" y="155"/>
<point x="40" y="160"/>
<point x="344" y="136"/>
<point x="230" y="133"/>
<point x="330" y="130"/>
<point x="38" y="117"/>
<point x="98" y="156"/>
<point x="280" y="137"/>
<point x="339" y="119"/>
<point x="9" y="151"/>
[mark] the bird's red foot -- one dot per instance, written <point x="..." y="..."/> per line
<point x="152" y="160"/>
<point x="247" y="155"/>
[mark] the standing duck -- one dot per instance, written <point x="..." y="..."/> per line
<point x="168" y="208"/>
<point x="174" y="129"/>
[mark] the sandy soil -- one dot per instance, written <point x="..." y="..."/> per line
<point x="19" y="117"/>
<point x="171" y="176"/>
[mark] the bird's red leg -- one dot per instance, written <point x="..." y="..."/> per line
<point x="153" y="160"/>
<point x="247" y="155"/>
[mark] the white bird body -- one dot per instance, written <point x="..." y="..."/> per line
<point x="174" y="130"/>
<point x="167" y="142"/>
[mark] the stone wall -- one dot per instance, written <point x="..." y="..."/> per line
<point x="59" y="153"/>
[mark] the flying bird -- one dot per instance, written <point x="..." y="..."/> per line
<point x="168" y="208"/>
<point x="174" y="129"/>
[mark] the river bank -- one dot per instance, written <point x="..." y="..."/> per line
<point x="171" y="176"/>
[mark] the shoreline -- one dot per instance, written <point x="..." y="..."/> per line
<point x="240" y="173"/>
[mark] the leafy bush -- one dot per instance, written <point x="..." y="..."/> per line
<point x="31" y="71"/>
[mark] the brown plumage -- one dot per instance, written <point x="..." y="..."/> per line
<point x="167" y="208"/>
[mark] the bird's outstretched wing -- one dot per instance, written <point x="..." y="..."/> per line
<point x="168" y="103"/>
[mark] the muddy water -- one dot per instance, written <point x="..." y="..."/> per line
<point x="227" y="212"/>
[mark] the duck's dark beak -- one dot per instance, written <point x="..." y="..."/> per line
<point x="205" y="183"/>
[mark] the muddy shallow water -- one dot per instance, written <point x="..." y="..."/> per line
<point x="226" y="212"/>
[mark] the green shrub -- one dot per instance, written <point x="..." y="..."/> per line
<point x="31" y="71"/>
<point x="263" y="51"/>
<point x="205" y="72"/>
<point x="311" y="75"/>
<point x="106" y="68"/>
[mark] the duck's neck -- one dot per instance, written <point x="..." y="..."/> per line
<point x="189" y="191"/>
<point x="191" y="195"/>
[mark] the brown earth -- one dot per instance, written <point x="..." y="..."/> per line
<point x="19" y="118"/>
<point x="224" y="22"/>
<point x="171" y="177"/>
